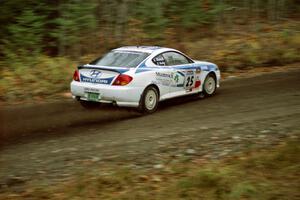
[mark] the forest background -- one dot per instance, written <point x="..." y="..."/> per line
<point x="42" y="42"/>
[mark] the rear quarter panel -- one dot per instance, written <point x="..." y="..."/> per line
<point x="148" y="76"/>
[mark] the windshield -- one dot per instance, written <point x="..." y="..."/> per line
<point x="129" y="59"/>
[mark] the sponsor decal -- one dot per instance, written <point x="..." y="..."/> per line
<point x="164" y="75"/>
<point x="189" y="73"/>
<point x="189" y="82"/>
<point x="95" y="73"/>
<point x="176" y="78"/>
<point x="164" y="78"/>
<point x="197" y="84"/>
<point x="96" y="80"/>
<point x="159" y="60"/>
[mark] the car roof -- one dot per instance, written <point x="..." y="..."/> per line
<point x="145" y="49"/>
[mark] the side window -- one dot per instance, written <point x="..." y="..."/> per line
<point x="159" y="60"/>
<point x="173" y="58"/>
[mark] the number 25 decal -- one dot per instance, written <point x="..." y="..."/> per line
<point x="189" y="81"/>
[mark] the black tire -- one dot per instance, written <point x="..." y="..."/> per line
<point x="89" y="104"/>
<point x="200" y="95"/>
<point x="209" y="85"/>
<point x="149" y="100"/>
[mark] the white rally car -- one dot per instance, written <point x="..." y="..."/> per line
<point x="142" y="76"/>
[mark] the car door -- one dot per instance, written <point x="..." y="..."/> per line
<point x="184" y="76"/>
<point x="163" y="75"/>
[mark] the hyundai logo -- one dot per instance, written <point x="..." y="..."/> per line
<point x="95" y="73"/>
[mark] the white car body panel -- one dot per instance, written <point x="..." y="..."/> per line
<point x="171" y="81"/>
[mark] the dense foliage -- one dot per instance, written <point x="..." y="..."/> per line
<point x="77" y="27"/>
<point x="39" y="38"/>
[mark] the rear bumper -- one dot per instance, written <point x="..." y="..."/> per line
<point x="121" y="95"/>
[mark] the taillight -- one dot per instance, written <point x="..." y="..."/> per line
<point x="122" y="79"/>
<point x="76" y="75"/>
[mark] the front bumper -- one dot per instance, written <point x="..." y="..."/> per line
<point x="218" y="74"/>
<point x="120" y="95"/>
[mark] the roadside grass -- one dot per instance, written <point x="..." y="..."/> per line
<point x="43" y="77"/>
<point x="248" y="50"/>
<point x="264" y="175"/>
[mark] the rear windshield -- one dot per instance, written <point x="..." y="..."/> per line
<point x="129" y="59"/>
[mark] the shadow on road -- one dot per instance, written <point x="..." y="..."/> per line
<point x="25" y="123"/>
<point x="20" y="124"/>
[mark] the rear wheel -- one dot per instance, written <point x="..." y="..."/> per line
<point x="149" y="100"/>
<point x="209" y="86"/>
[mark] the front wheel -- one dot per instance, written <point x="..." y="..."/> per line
<point x="209" y="86"/>
<point x="149" y="100"/>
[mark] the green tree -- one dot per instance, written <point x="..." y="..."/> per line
<point x="75" y="19"/>
<point x="152" y="15"/>
<point x="24" y="39"/>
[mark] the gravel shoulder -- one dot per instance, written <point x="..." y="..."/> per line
<point x="247" y="113"/>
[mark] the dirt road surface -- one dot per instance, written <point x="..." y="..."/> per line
<point x="51" y="142"/>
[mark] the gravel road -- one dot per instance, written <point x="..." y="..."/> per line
<point x="50" y="142"/>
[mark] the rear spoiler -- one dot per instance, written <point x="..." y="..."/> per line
<point x="114" y="69"/>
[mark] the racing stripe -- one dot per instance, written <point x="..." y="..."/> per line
<point x="144" y="68"/>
